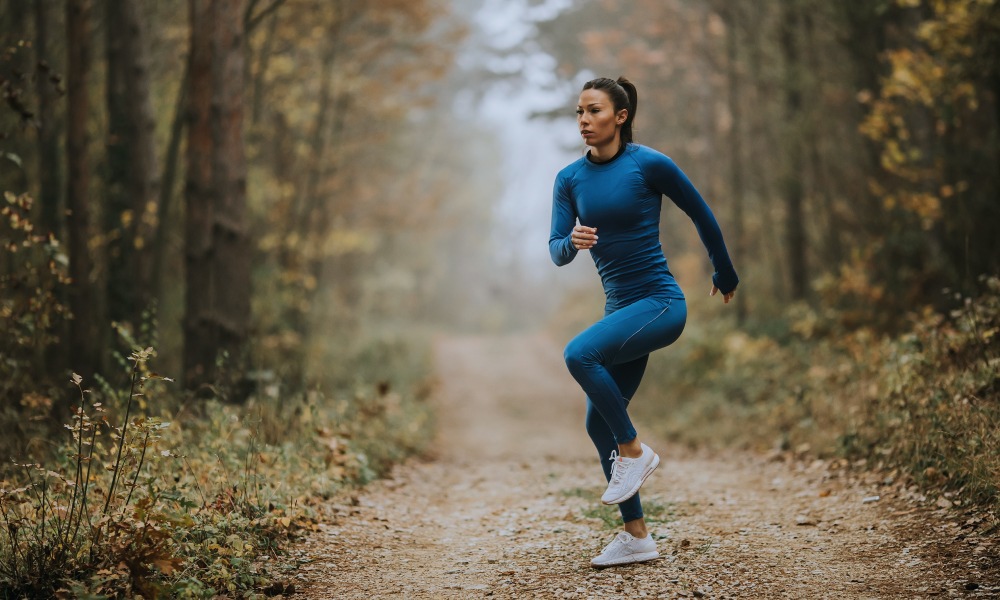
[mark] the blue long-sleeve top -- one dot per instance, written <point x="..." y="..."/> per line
<point x="622" y="199"/>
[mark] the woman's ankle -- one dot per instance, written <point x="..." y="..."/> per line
<point x="631" y="449"/>
<point x="637" y="528"/>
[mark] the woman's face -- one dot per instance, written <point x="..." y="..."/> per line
<point x="596" y="118"/>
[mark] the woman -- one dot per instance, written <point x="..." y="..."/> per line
<point x="608" y="202"/>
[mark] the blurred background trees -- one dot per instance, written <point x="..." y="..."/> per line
<point x="183" y="161"/>
<point x="850" y="148"/>
<point x="257" y="184"/>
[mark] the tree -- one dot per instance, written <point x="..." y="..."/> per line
<point x="730" y="13"/>
<point x="791" y="188"/>
<point x="132" y="174"/>
<point x="49" y="191"/>
<point x="217" y="294"/>
<point x="83" y="339"/>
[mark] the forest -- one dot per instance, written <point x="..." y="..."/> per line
<point x="231" y="230"/>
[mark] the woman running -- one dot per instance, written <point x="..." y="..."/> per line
<point x="608" y="202"/>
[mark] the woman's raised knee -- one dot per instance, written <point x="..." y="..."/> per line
<point x="577" y="356"/>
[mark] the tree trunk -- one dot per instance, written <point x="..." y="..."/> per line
<point x="83" y="328"/>
<point x="231" y="240"/>
<point x="51" y="216"/>
<point x="49" y="172"/>
<point x="791" y="188"/>
<point x="119" y="213"/>
<point x="763" y="142"/>
<point x="865" y="40"/>
<point x="735" y="145"/>
<point x="217" y="295"/>
<point x="200" y="343"/>
<point x="133" y="186"/>
<point x="167" y="185"/>
<point x="833" y="249"/>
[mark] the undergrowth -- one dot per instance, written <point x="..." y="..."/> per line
<point x="201" y="504"/>
<point x="925" y="403"/>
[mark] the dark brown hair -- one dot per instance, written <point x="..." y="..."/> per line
<point x="623" y="96"/>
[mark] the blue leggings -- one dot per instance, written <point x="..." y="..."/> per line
<point x="608" y="360"/>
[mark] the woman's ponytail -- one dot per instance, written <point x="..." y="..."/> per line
<point x="623" y="95"/>
<point x="633" y="103"/>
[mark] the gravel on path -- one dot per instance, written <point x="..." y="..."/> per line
<point x="507" y="506"/>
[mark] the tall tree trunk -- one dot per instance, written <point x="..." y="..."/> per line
<point x="791" y="186"/>
<point x="833" y="250"/>
<point x="133" y="176"/>
<point x="49" y="171"/>
<point x="232" y="257"/>
<point x="83" y="328"/>
<point x="49" y="167"/>
<point x="217" y="246"/>
<point x="865" y="39"/>
<point x="200" y="343"/>
<point x="119" y="213"/>
<point x="167" y="185"/>
<point x="735" y="144"/>
<point x="763" y="142"/>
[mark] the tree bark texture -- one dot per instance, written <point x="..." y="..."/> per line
<point x="133" y="175"/>
<point x="217" y="297"/>
<point x="83" y="340"/>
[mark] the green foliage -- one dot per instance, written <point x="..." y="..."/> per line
<point x="924" y="402"/>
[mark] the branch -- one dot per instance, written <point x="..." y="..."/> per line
<point x="252" y="21"/>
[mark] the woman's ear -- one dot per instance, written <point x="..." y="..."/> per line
<point x="622" y="116"/>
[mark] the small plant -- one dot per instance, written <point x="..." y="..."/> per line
<point x="654" y="511"/>
<point x="93" y="515"/>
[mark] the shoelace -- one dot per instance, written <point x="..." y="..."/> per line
<point x="618" y="467"/>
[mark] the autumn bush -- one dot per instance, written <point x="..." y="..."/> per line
<point x="33" y="279"/>
<point x="925" y="402"/>
<point x="201" y="503"/>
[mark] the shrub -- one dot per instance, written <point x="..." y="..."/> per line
<point x="924" y="402"/>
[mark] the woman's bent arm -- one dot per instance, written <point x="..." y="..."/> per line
<point x="561" y="247"/>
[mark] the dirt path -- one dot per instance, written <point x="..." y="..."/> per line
<point x="509" y="509"/>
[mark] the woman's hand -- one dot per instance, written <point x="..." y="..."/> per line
<point x="725" y="297"/>
<point x="584" y="237"/>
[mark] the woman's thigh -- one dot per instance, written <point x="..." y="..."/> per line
<point x="634" y="331"/>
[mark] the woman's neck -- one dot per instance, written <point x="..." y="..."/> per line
<point x="614" y="153"/>
<point x="606" y="152"/>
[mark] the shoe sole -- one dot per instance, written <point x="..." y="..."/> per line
<point x="645" y="474"/>
<point x="627" y="560"/>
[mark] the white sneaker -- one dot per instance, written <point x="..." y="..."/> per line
<point x="628" y="475"/>
<point x="626" y="549"/>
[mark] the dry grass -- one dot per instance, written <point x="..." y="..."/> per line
<point x="204" y="500"/>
